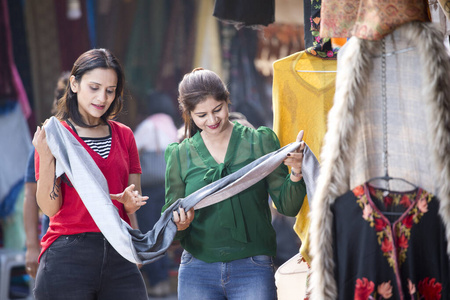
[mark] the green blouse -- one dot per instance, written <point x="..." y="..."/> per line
<point x="240" y="226"/>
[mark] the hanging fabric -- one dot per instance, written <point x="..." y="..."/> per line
<point x="371" y="20"/>
<point x="11" y="87"/>
<point x="301" y="100"/>
<point x="418" y="100"/>
<point x="73" y="33"/>
<point x="44" y="55"/>
<point x="321" y="46"/>
<point x="245" y="13"/>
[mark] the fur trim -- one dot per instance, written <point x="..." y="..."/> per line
<point x="353" y="72"/>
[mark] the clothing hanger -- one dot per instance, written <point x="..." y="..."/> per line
<point x="312" y="71"/>
<point x="387" y="178"/>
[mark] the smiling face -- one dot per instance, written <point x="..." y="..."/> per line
<point x="211" y="116"/>
<point x="95" y="92"/>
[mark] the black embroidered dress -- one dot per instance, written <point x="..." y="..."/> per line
<point x="389" y="245"/>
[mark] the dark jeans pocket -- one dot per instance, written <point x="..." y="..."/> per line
<point x="65" y="241"/>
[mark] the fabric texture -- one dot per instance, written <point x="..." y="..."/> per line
<point x="321" y="46"/>
<point x="418" y="101"/>
<point x="301" y="100"/>
<point x="404" y="249"/>
<point x="246" y="278"/>
<point x="371" y="20"/>
<point x="83" y="173"/>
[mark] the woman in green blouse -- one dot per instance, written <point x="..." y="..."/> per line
<point x="229" y="245"/>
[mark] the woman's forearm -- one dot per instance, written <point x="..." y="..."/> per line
<point x="48" y="193"/>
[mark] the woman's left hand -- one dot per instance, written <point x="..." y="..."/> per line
<point x="295" y="159"/>
<point x="183" y="219"/>
<point x="130" y="199"/>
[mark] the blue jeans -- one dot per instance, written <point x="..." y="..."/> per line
<point x="86" y="267"/>
<point x="248" y="278"/>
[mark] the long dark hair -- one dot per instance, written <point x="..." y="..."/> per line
<point x="196" y="87"/>
<point x="88" y="61"/>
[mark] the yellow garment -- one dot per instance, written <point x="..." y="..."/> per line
<point x="301" y="100"/>
<point x="207" y="46"/>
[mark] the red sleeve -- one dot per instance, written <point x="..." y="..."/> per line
<point x="36" y="165"/>
<point x="135" y="165"/>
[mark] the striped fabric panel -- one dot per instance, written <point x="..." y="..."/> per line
<point x="100" y="145"/>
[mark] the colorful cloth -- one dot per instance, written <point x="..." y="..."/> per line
<point x="389" y="245"/>
<point x="371" y="20"/>
<point x="321" y="47"/>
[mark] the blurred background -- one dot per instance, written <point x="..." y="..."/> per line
<point x="156" y="41"/>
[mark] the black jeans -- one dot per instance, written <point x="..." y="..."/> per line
<point x="86" y="267"/>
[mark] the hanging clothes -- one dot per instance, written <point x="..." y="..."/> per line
<point x="114" y="20"/>
<point x="179" y="47"/>
<point x="144" y="45"/>
<point x="321" y="46"/>
<point x="400" y="240"/>
<point x="42" y="35"/>
<point x="207" y="39"/>
<point x="73" y="33"/>
<point x="415" y="66"/>
<point x="242" y="13"/>
<point x="303" y="90"/>
<point x="20" y="48"/>
<point x="371" y="20"/>
<point x="11" y="86"/>
<point x="246" y="85"/>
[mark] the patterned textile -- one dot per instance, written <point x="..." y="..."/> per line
<point x="389" y="245"/>
<point x="371" y="20"/>
<point x="321" y="47"/>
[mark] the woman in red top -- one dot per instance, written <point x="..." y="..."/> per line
<point x="76" y="261"/>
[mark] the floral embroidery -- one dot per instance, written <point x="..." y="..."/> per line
<point x="429" y="289"/>
<point x="411" y="287"/>
<point x="402" y="230"/>
<point x="322" y="47"/>
<point x="363" y="289"/>
<point x="385" y="290"/>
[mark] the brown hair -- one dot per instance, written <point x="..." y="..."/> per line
<point x="195" y="88"/>
<point x="88" y="61"/>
